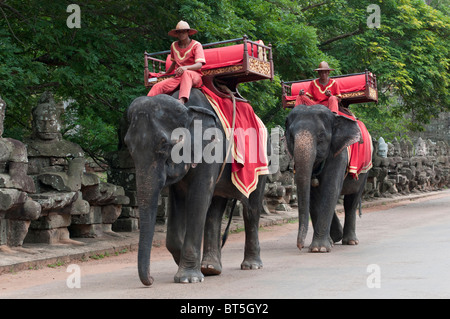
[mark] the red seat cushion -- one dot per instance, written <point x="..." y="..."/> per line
<point x="352" y="83"/>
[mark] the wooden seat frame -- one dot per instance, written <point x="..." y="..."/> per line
<point x="255" y="66"/>
<point x="370" y="94"/>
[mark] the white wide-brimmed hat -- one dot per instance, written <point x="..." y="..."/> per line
<point x="323" y="66"/>
<point x="182" y="25"/>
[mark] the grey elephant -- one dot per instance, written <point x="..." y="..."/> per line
<point x="317" y="139"/>
<point x="197" y="199"/>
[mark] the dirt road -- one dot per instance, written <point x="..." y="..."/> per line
<point x="404" y="252"/>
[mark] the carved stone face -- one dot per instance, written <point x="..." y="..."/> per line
<point x="421" y="147"/>
<point x="46" y="122"/>
<point x="397" y="149"/>
<point x="382" y="148"/>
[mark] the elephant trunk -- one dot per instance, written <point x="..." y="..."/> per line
<point x="148" y="206"/>
<point x="304" y="157"/>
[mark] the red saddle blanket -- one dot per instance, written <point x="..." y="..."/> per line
<point x="360" y="153"/>
<point x="249" y="151"/>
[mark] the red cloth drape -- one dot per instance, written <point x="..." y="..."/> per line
<point x="360" y="154"/>
<point x="250" y="141"/>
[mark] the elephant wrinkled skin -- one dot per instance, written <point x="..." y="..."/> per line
<point x="317" y="138"/>
<point x="196" y="201"/>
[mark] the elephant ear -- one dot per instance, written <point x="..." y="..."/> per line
<point x="345" y="133"/>
<point x="207" y="119"/>
<point x="198" y="111"/>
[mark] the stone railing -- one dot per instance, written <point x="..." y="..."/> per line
<point x="400" y="167"/>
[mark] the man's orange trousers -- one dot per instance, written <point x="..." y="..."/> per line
<point x="332" y="103"/>
<point x="186" y="82"/>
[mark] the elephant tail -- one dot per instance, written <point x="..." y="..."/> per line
<point x="227" y="230"/>
<point x="360" y="208"/>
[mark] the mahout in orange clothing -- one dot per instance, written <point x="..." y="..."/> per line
<point x="187" y="58"/>
<point x="323" y="90"/>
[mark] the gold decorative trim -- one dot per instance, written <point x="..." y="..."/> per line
<point x="258" y="66"/>
<point x="353" y="94"/>
<point x="326" y="88"/>
<point x="373" y="93"/>
<point x="180" y="56"/>
<point x="227" y="69"/>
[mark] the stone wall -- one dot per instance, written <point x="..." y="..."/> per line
<point x="399" y="167"/>
<point x="408" y="166"/>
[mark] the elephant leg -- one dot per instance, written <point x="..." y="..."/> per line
<point x="327" y="229"/>
<point x="198" y="200"/>
<point x="351" y="202"/>
<point x="321" y="218"/>
<point x="211" y="262"/>
<point x="336" y="231"/>
<point x="252" y="258"/>
<point x="176" y="222"/>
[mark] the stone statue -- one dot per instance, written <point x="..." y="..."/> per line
<point x="16" y="208"/>
<point x="57" y="166"/>
<point x="75" y="203"/>
<point x="420" y="147"/>
<point x="382" y="148"/>
<point x="47" y="151"/>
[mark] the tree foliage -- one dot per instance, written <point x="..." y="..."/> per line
<point x="99" y="67"/>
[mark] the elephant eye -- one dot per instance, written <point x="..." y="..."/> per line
<point x="321" y="135"/>
<point x="163" y="147"/>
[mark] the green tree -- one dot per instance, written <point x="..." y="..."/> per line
<point x="99" y="67"/>
<point x="409" y="53"/>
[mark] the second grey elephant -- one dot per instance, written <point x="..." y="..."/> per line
<point x="317" y="138"/>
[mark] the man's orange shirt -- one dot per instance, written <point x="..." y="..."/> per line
<point x="316" y="91"/>
<point x="192" y="54"/>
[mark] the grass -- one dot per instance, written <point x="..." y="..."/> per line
<point x="58" y="263"/>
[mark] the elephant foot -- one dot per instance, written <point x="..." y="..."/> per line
<point x="252" y="264"/>
<point x="319" y="249"/>
<point x="186" y="276"/>
<point x="211" y="268"/>
<point x="321" y="246"/>
<point x="350" y="241"/>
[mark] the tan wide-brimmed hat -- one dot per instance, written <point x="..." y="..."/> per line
<point x="182" y="25"/>
<point x="323" y="66"/>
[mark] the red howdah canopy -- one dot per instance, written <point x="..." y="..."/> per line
<point x="233" y="64"/>
<point x="355" y="88"/>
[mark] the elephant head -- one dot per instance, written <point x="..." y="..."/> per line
<point x="315" y="137"/>
<point x="151" y="122"/>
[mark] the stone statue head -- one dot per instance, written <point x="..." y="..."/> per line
<point x="397" y="148"/>
<point x="382" y="148"/>
<point x="46" y="119"/>
<point x="2" y="115"/>
<point x="420" y="147"/>
<point x="406" y="147"/>
<point x="390" y="151"/>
